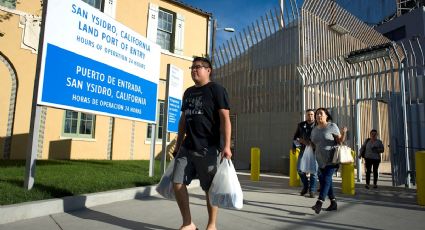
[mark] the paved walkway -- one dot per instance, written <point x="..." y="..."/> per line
<point x="268" y="204"/>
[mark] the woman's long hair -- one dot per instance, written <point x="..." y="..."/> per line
<point x="329" y="117"/>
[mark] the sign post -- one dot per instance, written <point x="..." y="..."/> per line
<point x="173" y="101"/>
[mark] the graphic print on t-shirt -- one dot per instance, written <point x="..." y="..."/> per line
<point x="194" y="105"/>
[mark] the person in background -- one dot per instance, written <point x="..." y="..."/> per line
<point x="302" y="137"/>
<point x="372" y="149"/>
<point x="204" y="133"/>
<point x="324" y="136"/>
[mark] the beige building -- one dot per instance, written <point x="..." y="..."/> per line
<point x="181" y="31"/>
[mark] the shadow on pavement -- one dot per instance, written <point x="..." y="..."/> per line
<point x="90" y="214"/>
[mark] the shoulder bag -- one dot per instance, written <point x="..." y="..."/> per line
<point x="342" y="155"/>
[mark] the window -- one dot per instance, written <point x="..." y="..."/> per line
<point x="166" y="28"/>
<point x="160" y="124"/>
<point x="79" y="124"/>
<point x="98" y="4"/>
<point x="8" y="3"/>
<point x="165" y="35"/>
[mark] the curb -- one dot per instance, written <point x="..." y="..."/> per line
<point x="33" y="209"/>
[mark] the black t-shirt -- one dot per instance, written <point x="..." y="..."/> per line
<point x="303" y="131"/>
<point x="200" y="108"/>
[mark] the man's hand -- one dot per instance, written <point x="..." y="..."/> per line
<point x="304" y="141"/>
<point x="226" y="153"/>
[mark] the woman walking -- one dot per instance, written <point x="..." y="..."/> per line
<point x="371" y="151"/>
<point x="324" y="137"/>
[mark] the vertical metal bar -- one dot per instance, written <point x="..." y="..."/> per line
<point x="273" y="22"/>
<point x="380" y="79"/>
<point x="152" y="151"/>
<point x="292" y="9"/>
<point x="421" y="70"/>
<point x="259" y="31"/>
<point x="403" y="99"/>
<point x="235" y="44"/>
<point x="220" y="61"/>
<point x="407" y="70"/>
<point x="322" y="82"/>
<point x="33" y="143"/>
<point x="281" y="19"/>
<point x="231" y="51"/>
<point x="264" y="27"/>
<point x="31" y="153"/>
<point x="338" y="96"/>
<point x="246" y="39"/>
<point x="224" y="59"/>
<point x="243" y="44"/>
<point x="165" y="121"/>
<point x="253" y="34"/>
<point x="358" y="129"/>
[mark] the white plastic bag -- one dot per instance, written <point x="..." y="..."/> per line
<point x="165" y="185"/>
<point x="308" y="162"/>
<point x="225" y="190"/>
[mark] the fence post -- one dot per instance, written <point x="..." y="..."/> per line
<point x="420" y="177"/>
<point x="255" y="164"/>
<point x="294" y="178"/>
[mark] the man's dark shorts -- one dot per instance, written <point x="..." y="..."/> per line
<point x="202" y="164"/>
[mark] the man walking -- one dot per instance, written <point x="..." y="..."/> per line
<point x="302" y="137"/>
<point x="203" y="139"/>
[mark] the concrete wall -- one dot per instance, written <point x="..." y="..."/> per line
<point x="413" y="22"/>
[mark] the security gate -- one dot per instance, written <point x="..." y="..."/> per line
<point x="353" y="85"/>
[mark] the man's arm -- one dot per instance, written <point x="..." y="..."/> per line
<point x="226" y="131"/>
<point x="181" y="133"/>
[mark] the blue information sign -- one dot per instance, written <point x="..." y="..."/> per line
<point x="175" y="91"/>
<point x="90" y="85"/>
<point x="94" y="64"/>
<point x="174" y="106"/>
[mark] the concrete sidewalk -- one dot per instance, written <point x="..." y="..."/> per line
<point x="268" y="204"/>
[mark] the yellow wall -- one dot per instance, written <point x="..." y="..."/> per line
<point x="133" y="14"/>
<point x="4" y="102"/>
<point x="24" y="62"/>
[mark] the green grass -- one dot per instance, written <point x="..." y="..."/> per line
<point x="59" y="178"/>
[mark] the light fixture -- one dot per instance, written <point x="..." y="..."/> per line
<point x="214" y="31"/>
<point x="338" y="29"/>
<point x="369" y="53"/>
<point x="228" y="29"/>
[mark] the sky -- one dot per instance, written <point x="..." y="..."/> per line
<point x="238" y="14"/>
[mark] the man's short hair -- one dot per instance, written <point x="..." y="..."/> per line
<point x="373" y="131"/>
<point x="309" y="110"/>
<point x="204" y="60"/>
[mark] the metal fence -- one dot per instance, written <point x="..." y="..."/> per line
<point x="381" y="87"/>
<point x="258" y="66"/>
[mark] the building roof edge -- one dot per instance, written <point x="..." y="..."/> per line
<point x="187" y="6"/>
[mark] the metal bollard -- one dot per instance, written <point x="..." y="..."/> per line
<point x="420" y="177"/>
<point x="255" y="164"/>
<point x="347" y="176"/>
<point x="294" y="178"/>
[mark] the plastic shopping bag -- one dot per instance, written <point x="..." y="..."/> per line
<point x="165" y="186"/>
<point x="308" y="162"/>
<point x="225" y="190"/>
